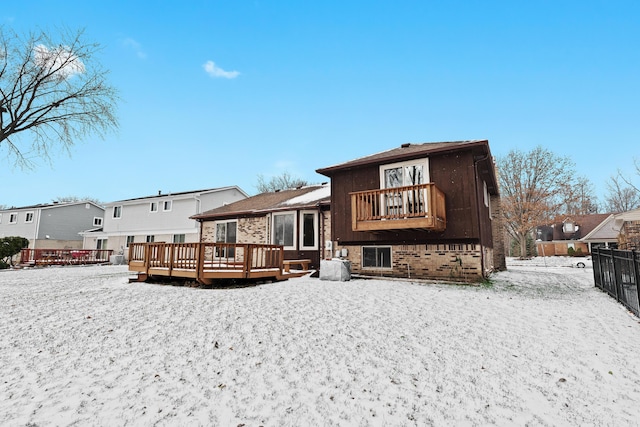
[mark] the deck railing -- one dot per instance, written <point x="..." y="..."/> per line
<point x="64" y="256"/>
<point x="202" y="259"/>
<point x="416" y="206"/>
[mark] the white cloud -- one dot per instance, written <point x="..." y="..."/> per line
<point x="60" y="61"/>
<point x="214" y="71"/>
<point x="137" y="47"/>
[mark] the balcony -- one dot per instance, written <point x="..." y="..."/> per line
<point x="412" y="207"/>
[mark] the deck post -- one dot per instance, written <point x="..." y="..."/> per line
<point x="147" y="258"/>
<point x="248" y="256"/>
<point x="172" y="249"/>
<point x="199" y="261"/>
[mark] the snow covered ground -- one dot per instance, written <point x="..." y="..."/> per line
<point x="538" y="346"/>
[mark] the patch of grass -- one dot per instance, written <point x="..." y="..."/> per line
<point x="487" y="283"/>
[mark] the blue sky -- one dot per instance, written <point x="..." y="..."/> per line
<point x="215" y="93"/>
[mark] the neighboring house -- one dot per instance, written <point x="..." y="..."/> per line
<point x="54" y="225"/>
<point x="159" y="218"/>
<point x="575" y="233"/>
<point x="427" y="210"/>
<point x="298" y="219"/>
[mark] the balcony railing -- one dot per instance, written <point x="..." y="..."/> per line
<point x="412" y="207"/>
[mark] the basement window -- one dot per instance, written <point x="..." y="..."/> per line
<point x="376" y="257"/>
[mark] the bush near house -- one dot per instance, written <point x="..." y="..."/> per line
<point x="10" y="246"/>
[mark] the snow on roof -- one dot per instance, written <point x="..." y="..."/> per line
<point x="312" y="196"/>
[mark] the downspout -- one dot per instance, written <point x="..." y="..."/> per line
<point x="475" y="178"/>
<point x="322" y="242"/>
<point x="37" y="230"/>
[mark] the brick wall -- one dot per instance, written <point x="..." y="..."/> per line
<point x="629" y="238"/>
<point x="498" y="258"/>
<point x="249" y="230"/>
<point x="326" y="227"/>
<point x="459" y="262"/>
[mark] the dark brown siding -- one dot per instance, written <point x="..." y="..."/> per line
<point x="314" y="256"/>
<point x="453" y="173"/>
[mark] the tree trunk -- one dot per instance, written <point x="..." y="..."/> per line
<point x="523" y="245"/>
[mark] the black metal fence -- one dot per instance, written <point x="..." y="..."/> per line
<point x="617" y="273"/>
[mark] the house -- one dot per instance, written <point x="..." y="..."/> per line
<point x="569" y="234"/>
<point x="428" y="210"/>
<point x="298" y="219"/>
<point x="158" y="218"/>
<point x="627" y="224"/>
<point x="54" y="225"/>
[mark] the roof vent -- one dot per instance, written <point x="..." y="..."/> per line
<point x="405" y="145"/>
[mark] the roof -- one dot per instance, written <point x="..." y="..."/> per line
<point x="51" y="205"/>
<point x="179" y="194"/>
<point x="603" y="231"/>
<point x="293" y="199"/>
<point x="408" y="151"/>
<point x="587" y="223"/>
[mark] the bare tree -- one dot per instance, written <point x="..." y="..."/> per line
<point x="283" y="181"/>
<point x="532" y="186"/>
<point x="579" y="197"/>
<point x="53" y="92"/>
<point x="627" y="180"/>
<point x="622" y="197"/>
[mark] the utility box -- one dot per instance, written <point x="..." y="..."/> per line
<point x="337" y="270"/>
<point x="116" y="259"/>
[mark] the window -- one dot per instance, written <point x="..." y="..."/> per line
<point x="308" y="226"/>
<point x="130" y="240"/>
<point x="166" y="205"/>
<point x="404" y="174"/>
<point x="376" y="257"/>
<point x="178" y="238"/>
<point x="101" y="244"/>
<point x="151" y="239"/>
<point x="284" y="230"/>
<point x="117" y="211"/>
<point x="28" y="217"/>
<point x="13" y="218"/>
<point x="97" y="221"/>
<point x="153" y="207"/>
<point x="226" y="233"/>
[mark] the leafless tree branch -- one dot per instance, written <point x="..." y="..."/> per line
<point x="53" y="93"/>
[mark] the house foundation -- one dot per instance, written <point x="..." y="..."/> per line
<point x="465" y="262"/>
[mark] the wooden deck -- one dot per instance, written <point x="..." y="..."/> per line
<point x="43" y="257"/>
<point x="206" y="262"/>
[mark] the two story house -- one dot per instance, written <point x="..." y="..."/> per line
<point x="54" y="225"/>
<point x="158" y="218"/>
<point x="428" y="210"/>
